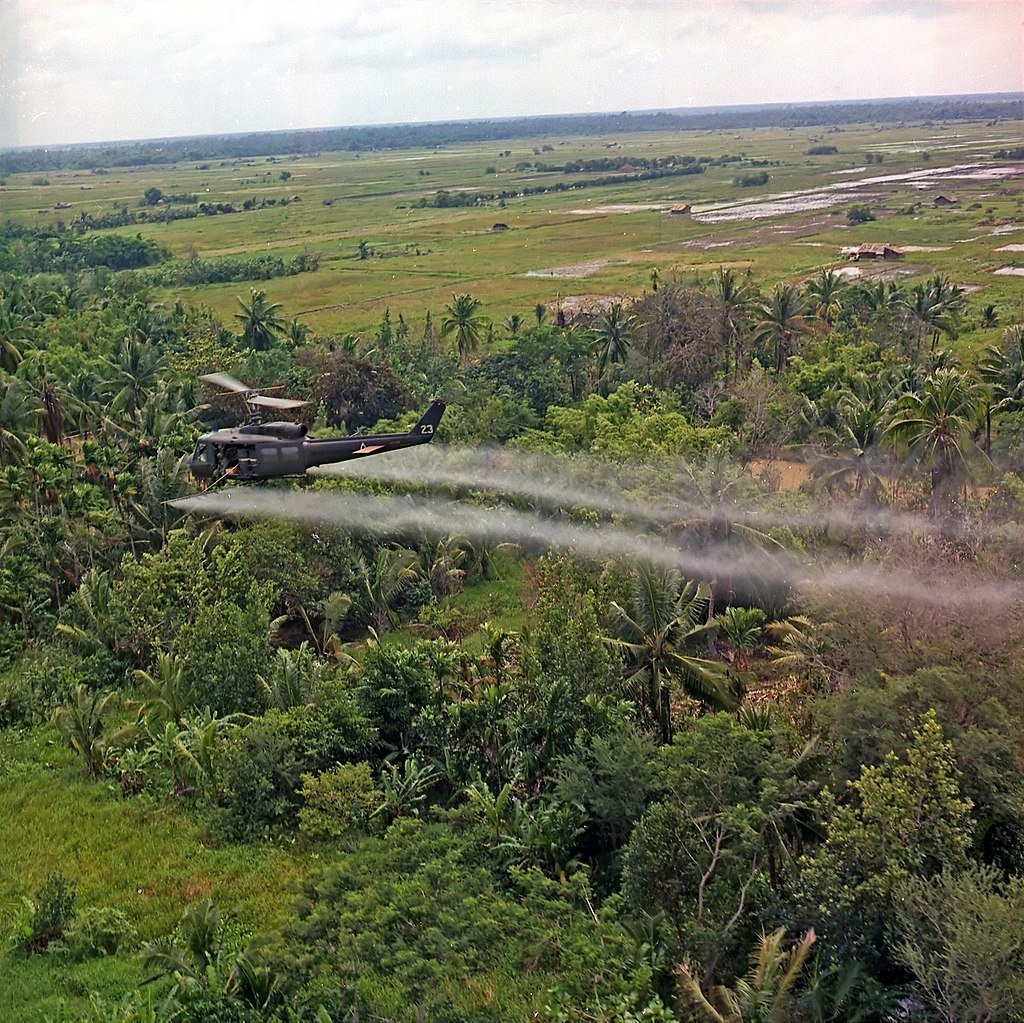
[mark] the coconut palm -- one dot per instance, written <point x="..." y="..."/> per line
<point x="718" y="511"/>
<point x="463" y="319"/>
<point x="1001" y="368"/>
<point x="613" y="337"/>
<point x="934" y="306"/>
<point x="743" y="627"/>
<point x="199" y="961"/>
<point x="382" y="582"/>
<point x="763" y="995"/>
<point x="666" y="619"/>
<point x="290" y="684"/>
<point x="136" y="373"/>
<point x="19" y="417"/>
<point x="83" y="723"/>
<point x="782" y="318"/>
<point x="735" y="297"/>
<point x="260" y="320"/>
<point x="824" y="291"/>
<point x="167" y="693"/>
<point x="513" y="324"/>
<point x="935" y="426"/>
<point x="444" y="571"/>
<point x="880" y="295"/>
<point x="862" y="418"/>
<point x="93" y="602"/>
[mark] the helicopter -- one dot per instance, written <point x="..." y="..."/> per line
<point x="262" y="450"/>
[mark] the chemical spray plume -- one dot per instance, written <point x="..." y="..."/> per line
<point x="563" y="482"/>
<point x="379" y="516"/>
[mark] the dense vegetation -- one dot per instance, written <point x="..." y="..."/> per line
<point x="295" y="772"/>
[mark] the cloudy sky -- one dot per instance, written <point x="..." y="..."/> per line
<point x="86" y="70"/>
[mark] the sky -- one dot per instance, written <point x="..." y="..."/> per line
<point x="92" y="70"/>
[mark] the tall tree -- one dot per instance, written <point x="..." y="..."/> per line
<point x="824" y="290"/>
<point x="613" y="337"/>
<point x="260" y="320"/>
<point x="463" y="319"/>
<point x="782" y="318"/>
<point x="735" y="297"/>
<point x="1001" y="368"/>
<point x="936" y="426"/>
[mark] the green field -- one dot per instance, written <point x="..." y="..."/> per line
<point x="423" y="255"/>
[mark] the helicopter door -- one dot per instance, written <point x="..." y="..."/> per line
<point x="247" y="461"/>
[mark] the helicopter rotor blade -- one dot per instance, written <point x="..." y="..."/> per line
<point x="280" y="403"/>
<point x="229" y="383"/>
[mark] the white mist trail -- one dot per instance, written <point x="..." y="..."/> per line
<point x="563" y="482"/>
<point x="378" y="516"/>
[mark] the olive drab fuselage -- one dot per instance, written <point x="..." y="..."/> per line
<point x="261" y="451"/>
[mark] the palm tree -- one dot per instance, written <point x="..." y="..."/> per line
<point x="168" y="694"/>
<point x="382" y="582"/>
<point x="19" y="417"/>
<point x="783" y="317"/>
<point x="613" y="337"/>
<point x="880" y="296"/>
<point x="936" y="427"/>
<point x="94" y="601"/>
<point x="763" y="995"/>
<point x="136" y="371"/>
<point x="1001" y="368"/>
<point x="540" y="312"/>
<point x="824" y="291"/>
<point x="743" y="627"/>
<point x="934" y="306"/>
<point x="717" y="503"/>
<point x="291" y="682"/>
<point x="860" y="432"/>
<point x="735" y="297"/>
<point x="665" y="620"/>
<point x="82" y="722"/>
<point x="513" y="324"/>
<point x="198" y="960"/>
<point x="463" y="319"/>
<point x="260" y="320"/>
<point x="444" y="572"/>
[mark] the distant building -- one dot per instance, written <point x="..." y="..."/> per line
<point x="873" y="250"/>
<point x="681" y="211"/>
<point x="946" y="200"/>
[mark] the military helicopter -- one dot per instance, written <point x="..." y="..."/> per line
<point x="261" y="450"/>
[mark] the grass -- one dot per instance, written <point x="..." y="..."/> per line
<point x="148" y="860"/>
<point x="429" y="254"/>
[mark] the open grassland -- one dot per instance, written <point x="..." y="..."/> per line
<point x="603" y="240"/>
<point x="148" y="862"/>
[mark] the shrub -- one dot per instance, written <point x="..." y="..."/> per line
<point x="50" y="914"/>
<point x="338" y="801"/>
<point x="100" y="931"/>
<point x="859" y="213"/>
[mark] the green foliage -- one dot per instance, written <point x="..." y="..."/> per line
<point x="50" y="913"/>
<point x="338" y="801"/>
<point x="961" y="935"/>
<point x="907" y="819"/>
<point x="707" y="852"/>
<point x="613" y="776"/>
<point x="419" y="920"/>
<point x="264" y="761"/>
<point x="631" y="423"/>
<point x="100" y="931"/>
<point x="859" y="213"/>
